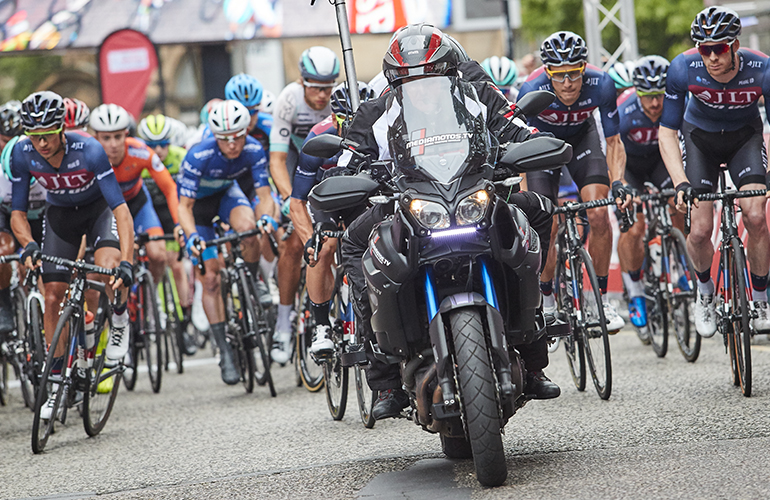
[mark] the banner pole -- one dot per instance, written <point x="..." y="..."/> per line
<point x="347" y="53"/>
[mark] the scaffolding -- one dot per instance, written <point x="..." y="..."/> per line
<point x="597" y="17"/>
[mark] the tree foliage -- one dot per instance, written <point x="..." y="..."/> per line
<point x="662" y="26"/>
<point x="26" y="73"/>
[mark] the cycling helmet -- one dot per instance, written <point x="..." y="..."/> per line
<point x="715" y="24"/>
<point x="155" y="129"/>
<point x="245" y="89"/>
<point x="229" y="116"/>
<point x="268" y="101"/>
<point x="14" y="104"/>
<point x="179" y="132"/>
<point x="502" y="70"/>
<point x="650" y="74"/>
<point x="206" y="109"/>
<point x="563" y="47"/>
<point x="110" y="118"/>
<point x="417" y="50"/>
<point x="10" y="121"/>
<point x="621" y="74"/>
<point x="319" y="63"/>
<point x="76" y="113"/>
<point x="42" y="110"/>
<point x="462" y="56"/>
<point x="340" y="99"/>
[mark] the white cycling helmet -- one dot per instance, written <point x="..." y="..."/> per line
<point x="229" y="117"/>
<point x="109" y="118"/>
<point x="267" y="103"/>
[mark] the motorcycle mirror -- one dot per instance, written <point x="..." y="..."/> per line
<point x="512" y="181"/>
<point x="534" y="103"/>
<point x="323" y="146"/>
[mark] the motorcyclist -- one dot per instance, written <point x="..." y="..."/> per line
<point x="422" y="51"/>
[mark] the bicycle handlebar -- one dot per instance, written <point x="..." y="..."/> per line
<point x="727" y="195"/>
<point x="9" y="258"/>
<point x="574" y="207"/>
<point x="79" y="265"/>
<point x="661" y="195"/>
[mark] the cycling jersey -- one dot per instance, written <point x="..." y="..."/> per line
<point x="638" y="132"/>
<point x="715" y="107"/>
<point x="206" y="171"/>
<point x="310" y="169"/>
<point x="85" y="174"/>
<point x="564" y="122"/>
<point x="293" y="118"/>
<point x="37" y="192"/>
<point x="262" y="128"/>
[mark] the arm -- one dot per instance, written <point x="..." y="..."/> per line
<point x="166" y="183"/>
<point x="668" y="142"/>
<point x="280" y="139"/>
<point x="186" y="219"/>
<point x="616" y="158"/>
<point x="125" y="224"/>
<point x="280" y="174"/>
<point x="303" y="225"/>
<point x="20" y="227"/>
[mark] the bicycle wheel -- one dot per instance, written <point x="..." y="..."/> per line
<point x="739" y="337"/>
<point x="682" y="280"/>
<point x="103" y="384"/>
<point x="3" y="380"/>
<point x="336" y="376"/>
<point x="256" y="322"/>
<point x="366" y="396"/>
<point x="151" y="331"/>
<point x="573" y="344"/>
<point x="131" y="361"/>
<point x="174" y="336"/>
<point x="655" y="296"/>
<point x="311" y="373"/>
<point x="593" y="325"/>
<point x="232" y="296"/>
<point x="36" y="349"/>
<point x="42" y="428"/>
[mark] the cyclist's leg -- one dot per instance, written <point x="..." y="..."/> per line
<point x="631" y="244"/>
<point x="146" y="220"/>
<point x="320" y="286"/>
<point x="7" y="247"/>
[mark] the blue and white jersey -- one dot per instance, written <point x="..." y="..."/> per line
<point x="310" y="169"/>
<point x="598" y="91"/>
<point x="206" y="171"/>
<point x="714" y="106"/>
<point x="638" y="132"/>
<point x="84" y="176"/>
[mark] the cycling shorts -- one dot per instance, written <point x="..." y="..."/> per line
<point x="145" y="218"/>
<point x="64" y="228"/>
<point x="641" y="169"/>
<point x="219" y="204"/>
<point x="587" y="166"/>
<point x="743" y="151"/>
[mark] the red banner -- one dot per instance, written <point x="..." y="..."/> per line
<point x="127" y="59"/>
<point x="376" y="16"/>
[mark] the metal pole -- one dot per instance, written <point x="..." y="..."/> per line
<point x="508" y="30"/>
<point x="593" y="33"/>
<point x="347" y="52"/>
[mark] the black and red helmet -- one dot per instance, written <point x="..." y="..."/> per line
<point x="419" y="50"/>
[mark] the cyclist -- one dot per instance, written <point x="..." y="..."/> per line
<point x="129" y="158"/>
<point x="622" y="75"/>
<point x="639" y="110"/>
<point x="248" y="91"/>
<point x="76" y="115"/>
<point x="580" y="89"/>
<point x="84" y="198"/>
<point x="503" y="72"/>
<point x="207" y="188"/>
<point x="410" y="55"/>
<point x="310" y="170"/>
<point x="720" y="123"/>
<point x="300" y="106"/>
<point x="156" y="131"/>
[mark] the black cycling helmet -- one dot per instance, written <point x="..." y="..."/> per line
<point x="10" y="120"/>
<point x="563" y="47"/>
<point x="42" y="110"/>
<point x="418" y="50"/>
<point x="715" y="24"/>
<point x="650" y="74"/>
<point x="340" y="99"/>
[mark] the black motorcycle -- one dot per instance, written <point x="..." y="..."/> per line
<point x="452" y="275"/>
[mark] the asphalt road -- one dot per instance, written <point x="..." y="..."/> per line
<point x="670" y="430"/>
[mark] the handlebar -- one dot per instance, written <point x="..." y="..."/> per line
<point x="572" y="207"/>
<point x="9" y="258"/>
<point x="78" y="265"/>
<point x="726" y="195"/>
<point x="661" y="195"/>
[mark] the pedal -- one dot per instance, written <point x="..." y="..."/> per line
<point x="355" y="354"/>
<point x="558" y="329"/>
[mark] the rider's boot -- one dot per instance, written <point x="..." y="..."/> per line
<point x="389" y="403"/>
<point x="226" y="363"/>
<point x="538" y="386"/>
<point x="322" y="345"/>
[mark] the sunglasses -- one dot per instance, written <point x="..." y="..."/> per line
<point x="561" y="75"/>
<point x="230" y="137"/>
<point x="48" y="134"/>
<point x="318" y="87"/>
<point x="155" y="144"/>
<point x="653" y="93"/>
<point x="718" y="49"/>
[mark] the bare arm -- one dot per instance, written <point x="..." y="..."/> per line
<point x="186" y="219"/>
<point x="279" y="173"/>
<point x="125" y="224"/>
<point x="20" y="227"/>
<point x="668" y="142"/>
<point x="616" y="158"/>
<point x="266" y="204"/>
<point x="303" y="225"/>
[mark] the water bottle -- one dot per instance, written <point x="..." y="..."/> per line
<point x="655" y="255"/>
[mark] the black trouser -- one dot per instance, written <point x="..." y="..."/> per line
<point x="382" y="376"/>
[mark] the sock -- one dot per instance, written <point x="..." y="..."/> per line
<point x="321" y="313"/>
<point x="705" y="276"/>
<point x="546" y="287"/>
<point x="58" y="364"/>
<point x="635" y="275"/>
<point x="283" y="323"/>
<point x="119" y="310"/>
<point x="218" y="332"/>
<point x="267" y="267"/>
<point x="634" y="287"/>
<point x="759" y="284"/>
<point x="549" y="301"/>
<point x="706" y="288"/>
<point x="253" y="268"/>
<point x="602" y="284"/>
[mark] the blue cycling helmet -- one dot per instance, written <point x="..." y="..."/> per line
<point x="563" y="47"/>
<point x="319" y="63"/>
<point x="245" y="89"/>
<point x="621" y="74"/>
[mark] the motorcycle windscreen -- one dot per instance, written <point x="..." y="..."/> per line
<point x="436" y="129"/>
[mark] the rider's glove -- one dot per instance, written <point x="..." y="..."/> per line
<point x="310" y="244"/>
<point x="125" y="271"/>
<point x="686" y="188"/>
<point x="31" y="250"/>
<point x="620" y="191"/>
<point x="265" y="220"/>
<point x="192" y="241"/>
<point x="285" y="208"/>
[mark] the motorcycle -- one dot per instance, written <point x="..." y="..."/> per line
<point x="452" y="275"/>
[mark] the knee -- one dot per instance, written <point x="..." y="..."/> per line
<point x="156" y="254"/>
<point x="210" y="281"/>
<point x="599" y="220"/>
<point x="755" y="220"/>
<point x="636" y="233"/>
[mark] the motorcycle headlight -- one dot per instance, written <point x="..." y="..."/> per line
<point x="472" y="209"/>
<point x="429" y="214"/>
